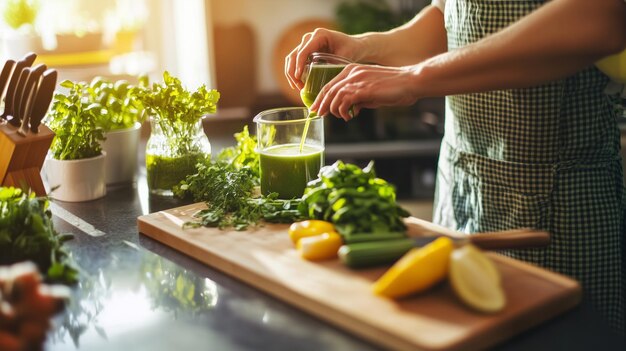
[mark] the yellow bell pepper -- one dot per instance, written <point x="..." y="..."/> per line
<point x="320" y="247"/>
<point x="309" y="227"/>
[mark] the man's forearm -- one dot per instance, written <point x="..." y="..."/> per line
<point x="555" y="41"/>
<point x="421" y="38"/>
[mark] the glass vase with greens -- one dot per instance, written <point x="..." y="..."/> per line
<point x="177" y="141"/>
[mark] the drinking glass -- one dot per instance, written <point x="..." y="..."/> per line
<point x="320" y="69"/>
<point x="287" y="160"/>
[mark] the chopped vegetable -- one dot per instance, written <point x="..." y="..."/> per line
<point x="319" y="247"/>
<point x="476" y="280"/>
<point x="310" y="227"/>
<point x="368" y="254"/>
<point x="416" y="271"/>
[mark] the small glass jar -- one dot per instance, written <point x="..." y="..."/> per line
<point x="320" y="69"/>
<point x="172" y="153"/>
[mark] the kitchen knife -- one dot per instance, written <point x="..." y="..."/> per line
<point x="16" y="118"/>
<point x="7" y="70"/>
<point x="28" y="97"/>
<point x="367" y="254"/>
<point x="43" y="99"/>
<point x="26" y="61"/>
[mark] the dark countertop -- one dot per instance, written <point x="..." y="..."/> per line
<point x="139" y="294"/>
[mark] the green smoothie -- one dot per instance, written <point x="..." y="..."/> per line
<point x="286" y="171"/>
<point x="319" y="75"/>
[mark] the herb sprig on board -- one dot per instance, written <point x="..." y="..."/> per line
<point x="229" y="187"/>
<point x="27" y="234"/>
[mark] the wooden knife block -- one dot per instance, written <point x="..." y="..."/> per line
<point x="21" y="157"/>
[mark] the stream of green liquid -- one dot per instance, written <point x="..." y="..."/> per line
<point x="319" y="75"/>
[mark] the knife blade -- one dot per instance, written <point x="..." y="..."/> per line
<point x="7" y="70"/>
<point x="28" y="96"/>
<point x="42" y="100"/>
<point x="367" y="254"/>
<point x="26" y="61"/>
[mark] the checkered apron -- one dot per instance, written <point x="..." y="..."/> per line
<point x="545" y="157"/>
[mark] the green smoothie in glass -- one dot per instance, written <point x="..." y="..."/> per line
<point x="286" y="169"/>
<point x="320" y="69"/>
<point x="318" y="76"/>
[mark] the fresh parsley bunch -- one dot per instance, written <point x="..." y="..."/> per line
<point x="27" y="234"/>
<point x="176" y="110"/>
<point x="75" y="121"/>
<point x="229" y="187"/>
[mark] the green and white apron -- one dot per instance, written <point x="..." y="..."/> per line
<point x="545" y="157"/>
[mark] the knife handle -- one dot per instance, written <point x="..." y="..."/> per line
<point x="511" y="239"/>
<point x="26" y="61"/>
<point x="5" y="76"/>
<point x="43" y="98"/>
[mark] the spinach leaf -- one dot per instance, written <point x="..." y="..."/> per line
<point x="354" y="200"/>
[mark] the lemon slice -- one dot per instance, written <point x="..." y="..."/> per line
<point x="476" y="280"/>
<point x="416" y="271"/>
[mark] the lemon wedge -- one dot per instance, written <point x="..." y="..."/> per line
<point x="416" y="271"/>
<point x="476" y="280"/>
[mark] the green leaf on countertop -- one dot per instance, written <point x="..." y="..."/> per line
<point x="27" y="234"/>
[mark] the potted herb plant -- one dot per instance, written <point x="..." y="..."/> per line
<point x="121" y="117"/>
<point x="177" y="141"/>
<point x="21" y="36"/>
<point x="75" y="166"/>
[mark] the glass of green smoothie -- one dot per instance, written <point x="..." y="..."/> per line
<point x="286" y="165"/>
<point x="320" y="69"/>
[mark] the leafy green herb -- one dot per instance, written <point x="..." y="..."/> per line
<point x="27" y="233"/>
<point x="229" y="194"/>
<point x="354" y="200"/>
<point x="243" y="154"/>
<point x="176" y="110"/>
<point x="120" y="107"/>
<point x="229" y="186"/>
<point x="74" y="120"/>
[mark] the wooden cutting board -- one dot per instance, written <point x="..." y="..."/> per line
<point x="434" y="320"/>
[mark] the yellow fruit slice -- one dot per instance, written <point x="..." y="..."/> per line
<point x="476" y="280"/>
<point x="310" y="227"/>
<point x="320" y="247"/>
<point x="416" y="271"/>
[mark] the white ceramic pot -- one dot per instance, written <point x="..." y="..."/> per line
<point x="75" y="180"/>
<point x="122" y="148"/>
<point x="15" y="45"/>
